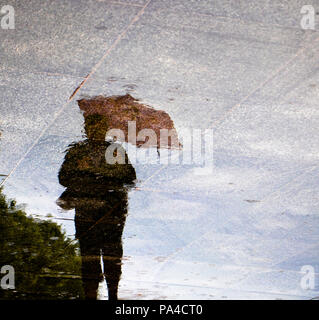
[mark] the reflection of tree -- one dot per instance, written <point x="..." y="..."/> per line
<point x="98" y="192"/>
<point x="46" y="262"/>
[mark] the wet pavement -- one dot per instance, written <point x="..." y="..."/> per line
<point x="245" y="69"/>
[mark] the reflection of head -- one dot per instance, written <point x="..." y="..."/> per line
<point x="96" y="126"/>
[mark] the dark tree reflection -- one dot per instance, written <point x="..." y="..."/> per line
<point x="98" y="192"/>
<point x="45" y="261"/>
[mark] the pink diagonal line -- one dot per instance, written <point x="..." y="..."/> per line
<point x="277" y="72"/>
<point x="114" y="44"/>
<point x="237" y="105"/>
<point x="271" y="77"/>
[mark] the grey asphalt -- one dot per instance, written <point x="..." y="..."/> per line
<point x="246" y="69"/>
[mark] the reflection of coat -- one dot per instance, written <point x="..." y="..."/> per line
<point x="86" y="172"/>
<point x="95" y="188"/>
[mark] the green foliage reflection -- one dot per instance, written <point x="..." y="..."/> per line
<point x="47" y="263"/>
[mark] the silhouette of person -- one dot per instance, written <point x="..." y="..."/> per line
<point x="98" y="192"/>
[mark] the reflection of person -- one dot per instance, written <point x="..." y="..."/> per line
<point x="98" y="192"/>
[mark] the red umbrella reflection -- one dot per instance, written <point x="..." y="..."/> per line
<point x="150" y="123"/>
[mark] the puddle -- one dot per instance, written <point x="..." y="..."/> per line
<point x="51" y="266"/>
<point x="166" y="239"/>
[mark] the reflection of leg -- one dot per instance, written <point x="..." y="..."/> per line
<point x="112" y="259"/>
<point x="91" y="270"/>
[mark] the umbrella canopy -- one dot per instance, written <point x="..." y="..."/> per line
<point x="119" y="110"/>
